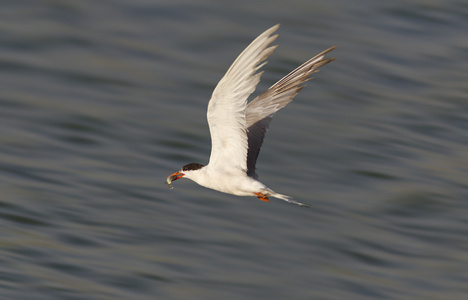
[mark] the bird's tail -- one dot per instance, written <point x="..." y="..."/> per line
<point x="287" y="199"/>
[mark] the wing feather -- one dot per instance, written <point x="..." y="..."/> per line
<point x="226" y="109"/>
<point x="260" y="111"/>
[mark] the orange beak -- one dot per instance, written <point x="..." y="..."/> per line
<point x="175" y="176"/>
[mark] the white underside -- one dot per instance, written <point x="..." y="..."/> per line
<point x="227" y="181"/>
<point x="235" y="182"/>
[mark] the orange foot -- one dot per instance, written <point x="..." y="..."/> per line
<point x="262" y="197"/>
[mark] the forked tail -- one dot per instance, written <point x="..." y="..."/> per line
<point x="287" y="199"/>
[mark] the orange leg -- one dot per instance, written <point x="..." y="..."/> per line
<point x="262" y="197"/>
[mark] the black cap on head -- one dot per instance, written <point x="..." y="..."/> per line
<point x="192" y="167"/>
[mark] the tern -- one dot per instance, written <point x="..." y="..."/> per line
<point x="238" y="127"/>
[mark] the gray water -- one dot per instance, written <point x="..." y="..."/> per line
<point x="101" y="100"/>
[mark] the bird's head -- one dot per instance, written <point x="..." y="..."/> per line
<point x="186" y="171"/>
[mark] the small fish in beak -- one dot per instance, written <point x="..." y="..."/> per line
<point x="172" y="178"/>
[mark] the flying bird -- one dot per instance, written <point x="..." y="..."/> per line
<point x="238" y="127"/>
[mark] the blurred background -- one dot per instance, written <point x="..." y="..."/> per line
<point x="101" y="100"/>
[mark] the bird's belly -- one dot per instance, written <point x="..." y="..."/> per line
<point x="239" y="186"/>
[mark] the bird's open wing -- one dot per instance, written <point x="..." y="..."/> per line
<point x="226" y="109"/>
<point x="260" y="111"/>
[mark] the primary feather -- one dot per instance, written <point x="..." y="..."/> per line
<point x="259" y="112"/>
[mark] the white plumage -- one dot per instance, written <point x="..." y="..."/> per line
<point x="238" y="127"/>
